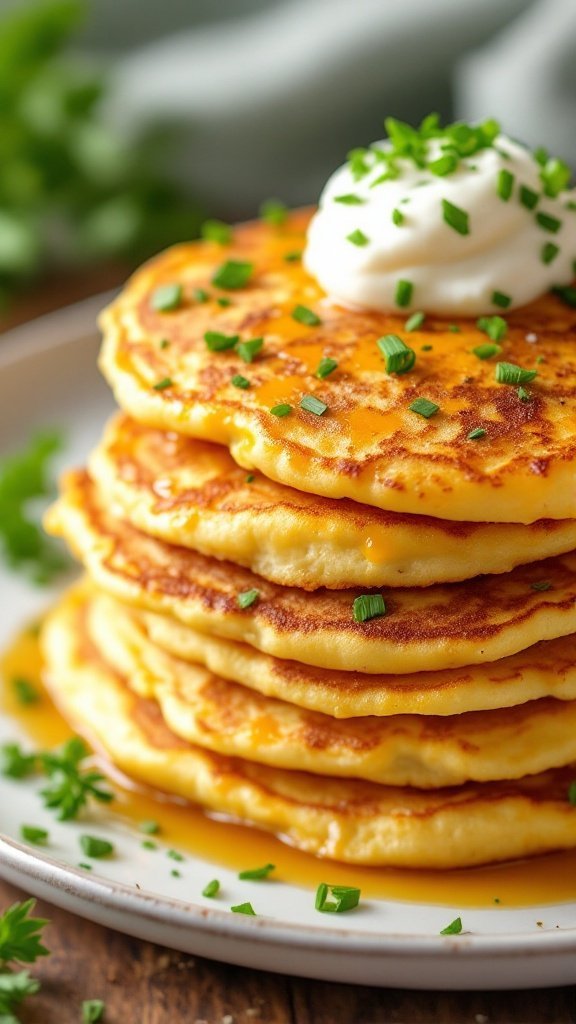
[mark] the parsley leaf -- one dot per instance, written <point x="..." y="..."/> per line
<point x="20" y="934"/>
<point x="70" y="787"/>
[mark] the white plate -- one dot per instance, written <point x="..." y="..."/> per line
<point x="48" y="377"/>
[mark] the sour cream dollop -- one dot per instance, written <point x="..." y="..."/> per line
<point x="392" y="245"/>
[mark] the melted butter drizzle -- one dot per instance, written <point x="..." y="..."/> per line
<point x="547" y="879"/>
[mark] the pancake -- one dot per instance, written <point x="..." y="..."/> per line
<point x="368" y="445"/>
<point x="424" y="629"/>
<point x="547" y="669"/>
<point x="402" y="750"/>
<point x="192" y="493"/>
<point x="343" y="819"/>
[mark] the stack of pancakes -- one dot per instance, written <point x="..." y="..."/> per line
<point x="344" y="622"/>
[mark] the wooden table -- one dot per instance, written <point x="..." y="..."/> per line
<point x="145" y="984"/>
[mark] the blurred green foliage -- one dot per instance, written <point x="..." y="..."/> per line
<point x="71" y="190"/>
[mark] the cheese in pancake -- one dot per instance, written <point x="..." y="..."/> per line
<point x="368" y="445"/>
<point x="192" y="493"/>
<point x="402" y="750"/>
<point x="424" y="629"/>
<point x="343" y="819"/>
<point x="546" y="669"/>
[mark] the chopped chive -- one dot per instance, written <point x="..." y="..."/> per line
<point x="281" y="410"/>
<point x="349" y="199"/>
<point x="292" y="257"/>
<point x="398" y="357"/>
<point x="255" y="874"/>
<point x="424" y="407"/>
<point x="240" y="382"/>
<point x="274" y="212"/>
<point x="92" y="1011"/>
<point x="455" y="218"/>
<point x="444" y="165"/>
<point x="326" y="366"/>
<point x="336" y="899"/>
<point x="244" y="908"/>
<point x="312" y="404"/>
<point x="501" y="299"/>
<point x="509" y="373"/>
<point x="403" y="294"/>
<point x="149" y="844"/>
<point x="200" y="295"/>
<point x="539" y="360"/>
<point x="523" y="395"/>
<point x="216" y="231"/>
<point x="567" y="294"/>
<point x="218" y="342"/>
<point x="541" y="585"/>
<point x="94" y="847"/>
<point x="549" y="252"/>
<point x="248" y="349"/>
<point x="454" y="329"/>
<point x="414" y="322"/>
<point x="306" y="316"/>
<point x="528" y="197"/>
<point x="555" y="176"/>
<point x="165" y="343"/>
<point x="357" y="237"/>
<point x="166" y="297"/>
<point x="454" y="928"/>
<point x="476" y="434"/>
<point x="212" y="889"/>
<point x="233" y="274"/>
<point x="175" y="873"/>
<point x="540" y="155"/>
<point x="572" y="793"/>
<point x="85" y="867"/>
<point x="505" y="184"/>
<point x="247" y="598"/>
<point x="223" y="301"/>
<point x="398" y="217"/>
<point x="250" y="478"/>
<point x="24" y="691"/>
<point x="494" y="326"/>
<point x="33" y="834"/>
<point x="486" y="351"/>
<point x="161" y="385"/>
<point x="175" y="855"/>
<point x="368" y="606"/>
<point x="549" y="223"/>
<point x="149" y="827"/>
<point x="426" y="348"/>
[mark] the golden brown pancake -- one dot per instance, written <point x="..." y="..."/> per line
<point x="192" y="493"/>
<point x="368" y="445"/>
<point x="343" y="819"/>
<point x="424" y="629"/>
<point x="401" y="750"/>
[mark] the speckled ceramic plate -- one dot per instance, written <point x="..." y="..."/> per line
<point x="48" y="377"/>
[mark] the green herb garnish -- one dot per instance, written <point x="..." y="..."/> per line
<point x="281" y="410"/>
<point x="549" y="252"/>
<point x="25" y="692"/>
<point x="167" y="297"/>
<point x="161" y="385"/>
<point x="454" y="928"/>
<point x="212" y="889"/>
<point x="486" y="351"/>
<point x="414" y="322"/>
<point x="165" y="343"/>
<point x="292" y="257"/>
<point x="233" y="274"/>
<point x="455" y="218"/>
<point x="523" y="395"/>
<point x="368" y="606"/>
<point x="256" y="874"/>
<point x="476" y="434"/>
<point x="403" y="293"/>
<point x="398" y="217"/>
<point x="274" y="212"/>
<point x="248" y="349"/>
<point x="244" y="908"/>
<point x="494" y="326"/>
<point x="94" y="847"/>
<point x="247" y="598"/>
<point x="541" y="585"/>
<point x="357" y="237"/>
<point x="216" y="231"/>
<point x="218" y="342"/>
<point x="240" y="382"/>
<point x="336" y="899"/>
<point x="326" y="366"/>
<point x="398" y="357"/>
<point x="70" y="787"/>
<point x="349" y="199"/>
<point x="14" y="763"/>
<point x="555" y="177"/>
<point x="424" y="407"/>
<point x="509" y="373"/>
<point x="149" y="828"/>
<point x="92" y="1011"/>
<point x="33" y="834"/>
<point x="175" y="855"/>
<point x="312" y="404"/>
<point x="200" y="295"/>
<point x="572" y="793"/>
<point x="20" y="936"/>
<point x="305" y="316"/>
<point x="149" y="844"/>
<point x="505" y="185"/>
<point x="223" y="301"/>
<point x="528" y="197"/>
<point x="549" y="223"/>
<point x="567" y="294"/>
<point x="501" y="299"/>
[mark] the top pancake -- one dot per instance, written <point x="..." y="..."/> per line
<point x="368" y="445"/>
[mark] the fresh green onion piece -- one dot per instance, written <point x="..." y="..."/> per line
<point x="166" y="297"/>
<point x="233" y="274"/>
<point x="149" y="844"/>
<point x="444" y="165"/>
<point x="274" y="212"/>
<point x="326" y="366"/>
<point x="24" y="691"/>
<point x="549" y="252"/>
<point x="454" y="329"/>
<point x="86" y="867"/>
<point x="398" y="357"/>
<point x="567" y="294"/>
<point x="555" y="176"/>
<point x="149" y="827"/>
<point x="454" y="928"/>
<point x="240" y="382"/>
<point x="541" y="585"/>
<point x="223" y="301"/>
<point x="247" y="598"/>
<point x="281" y="410"/>
<point x="306" y="316"/>
<point x="250" y="478"/>
<point x="549" y="223"/>
<point x="505" y="184"/>
<point x="175" y="855"/>
<point x="403" y="294"/>
<point x="94" y="847"/>
<point x="349" y="199"/>
<point x="414" y="322"/>
<point x="218" y="342"/>
<point x="572" y="793"/>
<point x="455" y="218"/>
<point x="357" y="237"/>
<point x="255" y="874"/>
<point x="292" y="257"/>
<point x="244" y="908"/>
<point x="92" y="1011"/>
<point x="33" y="834"/>
<point x="174" y="873"/>
<point x="540" y="155"/>
<point x="501" y="299"/>
<point x="248" y="349"/>
<point x="216" y="231"/>
<point x="476" y="434"/>
<point x="161" y="385"/>
<point x="212" y="889"/>
<point x="424" y="407"/>
<point x="426" y="348"/>
<point x="200" y="295"/>
<point x="523" y="395"/>
<point x="528" y="197"/>
<point x="494" y="326"/>
<point x="312" y="404"/>
<point x="336" y="899"/>
<point x="165" y="343"/>
<point x="509" y="373"/>
<point x="397" y="217"/>
<point x="368" y="606"/>
<point x="486" y="351"/>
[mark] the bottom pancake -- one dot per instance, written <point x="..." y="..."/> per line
<point x="342" y="819"/>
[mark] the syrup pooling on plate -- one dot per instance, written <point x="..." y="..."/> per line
<point x="549" y="879"/>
